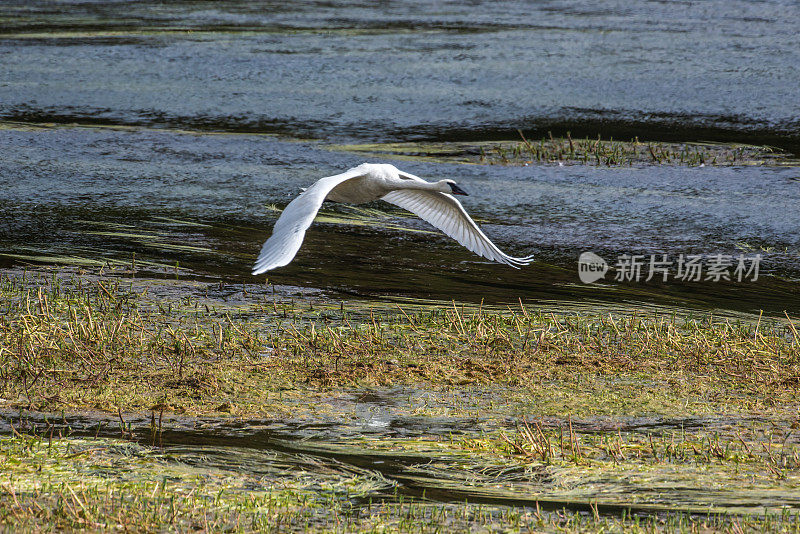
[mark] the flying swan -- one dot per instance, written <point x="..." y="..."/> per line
<point x="432" y="202"/>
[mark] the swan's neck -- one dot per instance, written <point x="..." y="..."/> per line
<point x="442" y="186"/>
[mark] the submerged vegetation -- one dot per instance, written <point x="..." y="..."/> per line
<point x="545" y="420"/>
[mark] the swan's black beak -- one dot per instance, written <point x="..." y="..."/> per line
<point x="457" y="190"/>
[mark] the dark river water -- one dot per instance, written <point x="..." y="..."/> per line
<point x="164" y="131"/>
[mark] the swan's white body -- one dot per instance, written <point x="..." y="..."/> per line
<point x="432" y="202"/>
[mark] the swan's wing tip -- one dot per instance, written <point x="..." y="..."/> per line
<point x="258" y="270"/>
<point x="261" y="266"/>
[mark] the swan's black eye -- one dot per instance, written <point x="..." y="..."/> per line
<point x="457" y="190"/>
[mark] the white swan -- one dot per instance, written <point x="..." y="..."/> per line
<point x="432" y="202"/>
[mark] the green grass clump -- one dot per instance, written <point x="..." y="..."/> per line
<point x="608" y="152"/>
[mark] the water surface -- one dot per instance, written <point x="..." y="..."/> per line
<point x="162" y="133"/>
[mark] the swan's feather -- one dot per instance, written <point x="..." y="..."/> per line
<point x="290" y="228"/>
<point x="447" y="214"/>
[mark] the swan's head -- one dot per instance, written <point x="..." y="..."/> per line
<point x="453" y="189"/>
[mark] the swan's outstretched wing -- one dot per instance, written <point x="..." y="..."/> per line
<point x="290" y="228"/>
<point x="447" y="214"/>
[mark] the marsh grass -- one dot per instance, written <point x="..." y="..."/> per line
<point x="608" y="152"/>
<point x="769" y="450"/>
<point x="158" y="348"/>
<point x="105" y="344"/>
<point x="581" y="151"/>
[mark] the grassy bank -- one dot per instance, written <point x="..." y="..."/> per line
<point x="110" y="344"/>
<point x="521" y="412"/>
